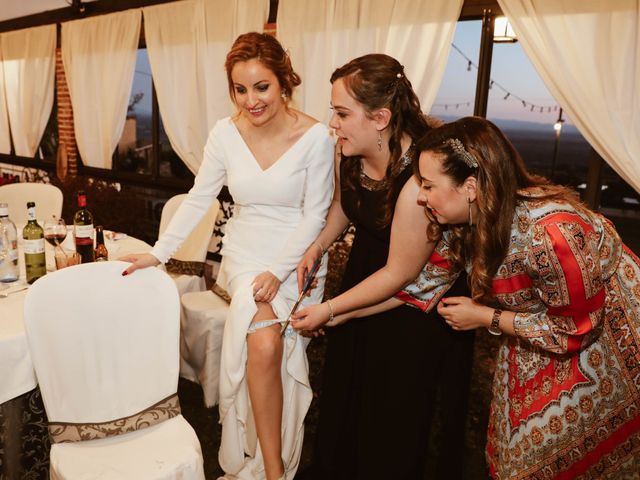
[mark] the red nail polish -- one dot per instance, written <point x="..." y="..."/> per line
<point x="125" y="273"/>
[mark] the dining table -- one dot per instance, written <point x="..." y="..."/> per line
<point x="24" y="447"/>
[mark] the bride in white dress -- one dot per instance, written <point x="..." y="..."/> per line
<point x="278" y="164"/>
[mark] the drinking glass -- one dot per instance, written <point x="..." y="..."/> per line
<point x="55" y="231"/>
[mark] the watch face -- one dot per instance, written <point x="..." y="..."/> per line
<point x="494" y="330"/>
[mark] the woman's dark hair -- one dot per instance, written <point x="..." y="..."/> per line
<point x="500" y="174"/>
<point x="269" y="52"/>
<point x="378" y="81"/>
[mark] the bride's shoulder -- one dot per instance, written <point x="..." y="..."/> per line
<point x="304" y="122"/>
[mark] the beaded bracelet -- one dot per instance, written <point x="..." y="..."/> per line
<point x="330" y="310"/>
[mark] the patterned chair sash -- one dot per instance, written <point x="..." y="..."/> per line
<point x="183" y="267"/>
<point x="165" y="409"/>
<point x="221" y="292"/>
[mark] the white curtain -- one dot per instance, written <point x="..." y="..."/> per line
<point x="322" y="35"/>
<point x="29" y="63"/>
<point x="99" y="57"/>
<point x="187" y="43"/>
<point x="587" y="52"/>
<point x="5" y="140"/>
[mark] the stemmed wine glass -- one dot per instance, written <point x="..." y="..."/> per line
<point x="55" y="231"/>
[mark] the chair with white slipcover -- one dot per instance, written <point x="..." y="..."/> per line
<point x="205" y="313"/>
<point x="186" y="267"/>
<point x="106" y="353"/>
<point x="48" y="199"/>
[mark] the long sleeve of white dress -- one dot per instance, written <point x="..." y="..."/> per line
<point x="206" y="187"/>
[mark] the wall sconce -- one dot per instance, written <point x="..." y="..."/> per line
<point x="503" y="31"/>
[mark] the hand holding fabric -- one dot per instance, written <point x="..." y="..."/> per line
<point x="311" y="317"/>
<point x="265" y="287"/>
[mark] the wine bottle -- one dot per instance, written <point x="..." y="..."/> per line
<point x="8" y="265"/>
<point x="83" y="229"/>
<point x="33" y="235"/>
<point x="101" y="254"/>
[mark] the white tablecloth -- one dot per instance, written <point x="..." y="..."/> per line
<point x="16" y="369"/>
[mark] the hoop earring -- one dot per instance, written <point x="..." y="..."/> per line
<point x="379" y="141"/>
<point x="470" y="214"/>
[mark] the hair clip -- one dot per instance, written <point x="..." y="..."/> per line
<point x="458" y="147"/>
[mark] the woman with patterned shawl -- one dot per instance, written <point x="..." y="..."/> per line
<point x="556" y="281"/>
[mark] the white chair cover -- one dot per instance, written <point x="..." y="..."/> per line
<point x="48" y="199"/>
<point x="105" y="347"/>
<point x="194" y="249"/>
<point x="203" y="315"/>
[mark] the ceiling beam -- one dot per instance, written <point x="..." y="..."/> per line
<point x="471" y="10"/>
<point x="90" y="9"/>
<point x="474" y="9"/>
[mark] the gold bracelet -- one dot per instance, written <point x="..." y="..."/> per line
<point x="317" y="244"/>
<point x="330" y="310"/>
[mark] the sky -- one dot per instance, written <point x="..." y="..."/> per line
<point x="510" y="68"/>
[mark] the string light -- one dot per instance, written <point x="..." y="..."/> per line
<point x="492" y="83"/>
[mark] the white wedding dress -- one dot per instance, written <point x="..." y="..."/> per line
<point x="278" y="213"/>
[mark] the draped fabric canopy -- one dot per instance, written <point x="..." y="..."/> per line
<point x="5" y="139"/>
<point x="187" y="43"/>
<point x="587" y="52"/>
<point x="28" y="64"/>
<point x="99" y="56"/>
<point x="322" y="35"/>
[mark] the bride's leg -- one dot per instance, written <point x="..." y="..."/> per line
<point x="264" y="357"/>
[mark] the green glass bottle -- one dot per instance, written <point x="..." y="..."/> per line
<point x="33" y="235"/>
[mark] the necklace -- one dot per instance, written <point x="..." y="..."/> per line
<point x="372" y="185"/>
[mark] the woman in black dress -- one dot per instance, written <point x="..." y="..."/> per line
<point x="381" y="371"/>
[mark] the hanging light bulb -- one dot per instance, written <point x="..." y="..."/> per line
<point x="507" y="95"/>
<point x="503" y="32"/>
<point x="558" y="125"/>
<point x="469" y="66"/>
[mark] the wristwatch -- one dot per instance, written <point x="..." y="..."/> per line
<point x="494" y="328"/>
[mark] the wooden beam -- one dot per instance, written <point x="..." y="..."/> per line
<point x="91" y="9"/>
<point x="484" y="65"/>
<point x="474" y="9"/>
<point x="471" y="10"/>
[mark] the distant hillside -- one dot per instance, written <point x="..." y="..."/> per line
<point x="509" y="125"/>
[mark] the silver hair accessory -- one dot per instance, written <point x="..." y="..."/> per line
<point x="458" y="147"/>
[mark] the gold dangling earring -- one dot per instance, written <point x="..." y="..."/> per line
<point x="379" y="141"/>
<point x="470" y="214"/>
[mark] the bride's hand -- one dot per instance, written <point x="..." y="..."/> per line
<point x="138" y="260"/>
<point x="265" y="287"/>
